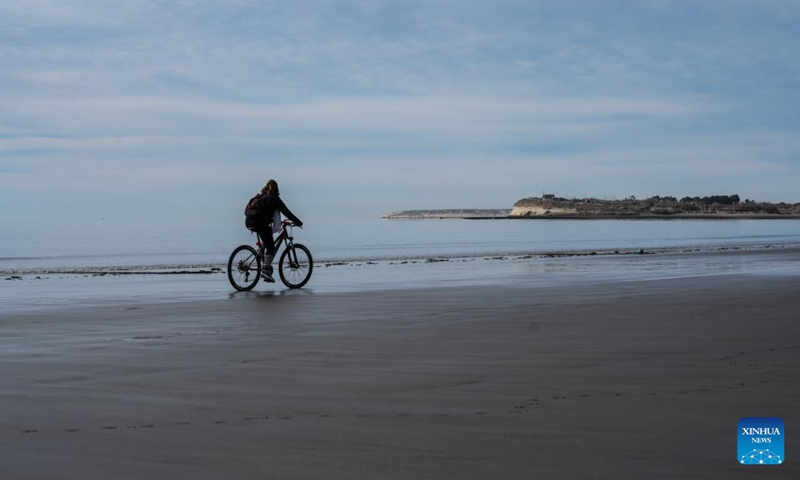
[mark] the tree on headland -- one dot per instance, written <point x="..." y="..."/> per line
<point x="718" y="199"/>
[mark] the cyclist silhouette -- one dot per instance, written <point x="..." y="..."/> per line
<point x="260" y="214"/>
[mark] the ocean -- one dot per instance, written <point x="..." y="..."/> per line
<point x="105" y="245"/>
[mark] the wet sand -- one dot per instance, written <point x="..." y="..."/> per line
<point x="614" y="379"/>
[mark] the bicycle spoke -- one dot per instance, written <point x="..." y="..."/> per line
<point x="243" y="268"/>
<point x="295" y="266"/>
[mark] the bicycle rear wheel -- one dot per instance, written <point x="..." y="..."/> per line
<point x="244" y="268"/>
<point x="295" y="266"/>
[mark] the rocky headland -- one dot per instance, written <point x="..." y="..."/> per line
<point x="551" y="206"/>
<point x="719" y="206"/>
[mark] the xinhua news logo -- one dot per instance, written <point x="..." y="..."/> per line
<point x="760" y="441"/>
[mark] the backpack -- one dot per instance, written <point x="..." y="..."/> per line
<point x="252" y="208"/>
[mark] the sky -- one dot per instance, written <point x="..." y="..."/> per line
<point x="157" y="110"/>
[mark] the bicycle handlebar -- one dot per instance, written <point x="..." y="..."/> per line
<point x="289" y="223"/>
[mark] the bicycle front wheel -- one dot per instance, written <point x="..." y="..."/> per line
<point x="244" y="267"/>
<point x="295" y="266"/>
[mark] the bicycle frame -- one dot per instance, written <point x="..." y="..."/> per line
<point x="282" y="237"/>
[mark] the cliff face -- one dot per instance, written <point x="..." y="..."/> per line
<point x="541" y="210"/>
<point x="550" y="205"/>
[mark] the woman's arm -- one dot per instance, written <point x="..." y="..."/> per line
<point x="288" y="213"/>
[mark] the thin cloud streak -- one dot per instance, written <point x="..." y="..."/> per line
<point x="77" y="122"/>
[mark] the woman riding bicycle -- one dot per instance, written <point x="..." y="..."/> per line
<point x="260" y="213"/>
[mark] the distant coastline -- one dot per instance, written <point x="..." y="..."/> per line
<point x="448" y="214"/>
<point x="552" y="207"/>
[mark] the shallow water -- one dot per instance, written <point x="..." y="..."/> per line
<point x="46" y="291"/>
<point x="104" y="245"/>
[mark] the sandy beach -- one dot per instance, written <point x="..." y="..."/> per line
<point x="613" y="378"/>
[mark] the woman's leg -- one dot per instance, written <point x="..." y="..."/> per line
<point x="269" y="247"/>
<point x="266" y="237"/>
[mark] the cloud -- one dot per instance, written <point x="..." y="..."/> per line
<point x="437" y="98"/>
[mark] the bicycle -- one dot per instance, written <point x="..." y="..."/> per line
<point x="294" y="267"/>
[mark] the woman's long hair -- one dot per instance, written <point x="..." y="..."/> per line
<point x="271" y="188"/>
